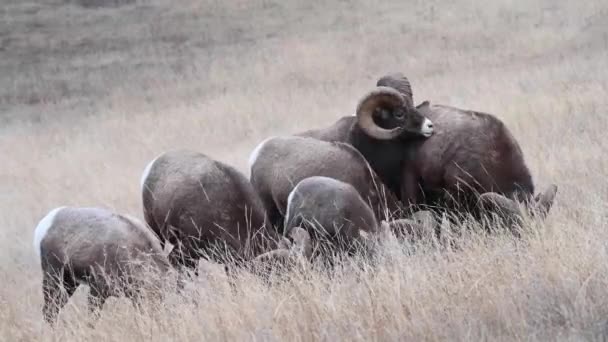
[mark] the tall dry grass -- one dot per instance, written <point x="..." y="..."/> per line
<point x="89" y="95"/>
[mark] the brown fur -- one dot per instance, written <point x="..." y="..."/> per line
<point x="198" y="204"/>
<point x="283" y="162"/>
<point x="111" y="253"/>
<point x="470" y="153"/>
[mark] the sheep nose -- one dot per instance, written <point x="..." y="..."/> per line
<point x="427" y="128"/>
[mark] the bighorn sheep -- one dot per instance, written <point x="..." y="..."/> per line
<point x="279" y="163"/>
<point x="332" y="211"/>
<point x="468" y="154"/>
<point x="197" y="203"/>
<point x="112" y="253"/>
<point x="383" y="117"/>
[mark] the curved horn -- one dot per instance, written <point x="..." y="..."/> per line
<point x="499" y="204"/>
<point x="301" y="241"/>
<point x="399" y="82"/>
<point x="365" y="109"/>
<point x="544" y="201"/>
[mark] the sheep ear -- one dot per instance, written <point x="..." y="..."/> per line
<point x="423" y="105"/>
<point x="544" y="201"/>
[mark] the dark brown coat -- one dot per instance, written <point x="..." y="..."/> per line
<point x="469" y="154"/>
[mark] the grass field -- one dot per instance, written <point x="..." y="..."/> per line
<point x="89" y="94"/>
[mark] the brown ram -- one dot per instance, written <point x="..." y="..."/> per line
<point x="469" y="153"/>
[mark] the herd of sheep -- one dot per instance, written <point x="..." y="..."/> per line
<point x="367" y="174"/>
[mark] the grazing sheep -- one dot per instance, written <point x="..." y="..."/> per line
<point x="331" y="211"/>
<point x="279" y="163"/>
<point x="110" y="252"/>
<point x="197" y="204"/>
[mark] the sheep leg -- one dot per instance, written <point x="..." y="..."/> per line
<point x="276" y="219"/>
<point x="180" y="261"/>
<point x="57" y="289"/>
<point x="273" y="213"/>
<point x="231" y="277"/>
<point x="149" y="218"/>
<point x="137" y="301"/>
<point x="409" y="189"/>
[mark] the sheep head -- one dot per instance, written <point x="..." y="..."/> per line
<point x="385" y="113"/>
<point x="510" y="211"/>
<point x="288" y="252"/>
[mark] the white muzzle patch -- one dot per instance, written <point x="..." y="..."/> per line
<point x="427" y="128"/>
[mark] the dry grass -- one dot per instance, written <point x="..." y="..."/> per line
<point x="89" y="94"/>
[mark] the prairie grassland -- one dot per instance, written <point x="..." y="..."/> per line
<point x="89" y="94"/>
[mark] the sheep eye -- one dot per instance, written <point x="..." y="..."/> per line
<point x="399" y="115"/>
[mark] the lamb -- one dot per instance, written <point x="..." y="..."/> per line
<point x="331" y="211"/>
<point x="336" y="216"/>
<point x="112" y="253"/>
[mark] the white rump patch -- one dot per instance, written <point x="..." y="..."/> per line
<point x="43" y="227"/>
<point x="427" y="128"/>
<point x="255" y="154"/>
<point x="146" y="172"/>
